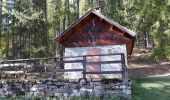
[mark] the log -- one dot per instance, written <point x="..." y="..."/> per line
<point x="12" y="65"/>
<point x="13" y="72"/>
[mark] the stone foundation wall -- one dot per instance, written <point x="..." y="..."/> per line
<point x="59" y="88"/>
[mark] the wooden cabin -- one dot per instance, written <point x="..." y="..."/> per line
<point x="98" y="39"/>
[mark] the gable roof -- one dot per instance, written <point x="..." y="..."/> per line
<point x="124" y="29"/>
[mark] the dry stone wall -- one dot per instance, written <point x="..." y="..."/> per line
<point x="60" y="88"/>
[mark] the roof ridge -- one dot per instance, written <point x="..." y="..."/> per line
<point x="130" y="32"/>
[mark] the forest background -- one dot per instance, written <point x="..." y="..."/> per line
<point x="28" y="27"/>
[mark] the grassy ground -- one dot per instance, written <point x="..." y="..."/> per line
<point x="155" y="88"/>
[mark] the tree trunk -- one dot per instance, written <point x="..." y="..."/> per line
<point x="46" y="30"/>
<point x="0" y="20"/>
<point x="146" y="40"/>
<point x="78" y="9"/>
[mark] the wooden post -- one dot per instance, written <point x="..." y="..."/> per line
<point x="55" y="60"/>
<point x="146" y="40"/>
<point x="0" y="73"/>
<point x="123" y="65"/>
<point x="84" y="67"/>
<point x="1" y="69"/>
<point x="61" y="51"/>
<point x="45" y="69"/>
<point x="137" y="41"/>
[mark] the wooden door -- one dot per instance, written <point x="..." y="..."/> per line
<point x="93" y="67"/>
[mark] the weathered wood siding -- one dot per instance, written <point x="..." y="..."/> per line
<point x="93" y="30"/>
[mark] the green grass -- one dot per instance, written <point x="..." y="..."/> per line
<point x="155" y="88"/>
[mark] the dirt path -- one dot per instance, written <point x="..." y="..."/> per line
<point x="138" y="66"/>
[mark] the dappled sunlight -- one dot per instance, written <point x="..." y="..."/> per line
<point x="151" y="85"/>
<point x="153" y="88"/>
<point x="161" y="86"/>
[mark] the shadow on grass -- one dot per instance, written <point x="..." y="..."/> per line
<point x="157" y="88"/>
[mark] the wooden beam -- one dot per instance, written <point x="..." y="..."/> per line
<point x="68" y="70"/>
<point x="13" y="72"/>
<point x="105" y="72"/>
<point x="12" y="65"/>
<point x="103" y="62"/>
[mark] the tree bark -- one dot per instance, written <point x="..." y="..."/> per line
<point x="0" y="20"/>
<point x="46" y="29"/>
<point x="78" y="9"/>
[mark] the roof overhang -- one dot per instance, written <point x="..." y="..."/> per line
<point x="95" y="12"/>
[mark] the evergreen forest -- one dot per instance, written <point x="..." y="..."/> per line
<point x="28" y="27"/>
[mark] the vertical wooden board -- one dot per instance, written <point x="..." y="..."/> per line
<point x="93" y="67"/>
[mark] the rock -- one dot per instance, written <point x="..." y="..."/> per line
<point x="107" y="87"/>
<point x="59" y="83"/>
<point x="91" y="84"/>
<point x="88" y="87"/>
<point x="129" y="92"/>
<point x="82" y="82"/>
<point x="99" y="91"/>
<point x="58" y="94"/>
<point x="49" y="93"/>
<point x="73" y="80"/>
<point x="83" y="91"/>
<point x="76" y="86"/>
<point x="98" y="87"/>
<point x="75" y="93"/>
<point x="65" y="94"/>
